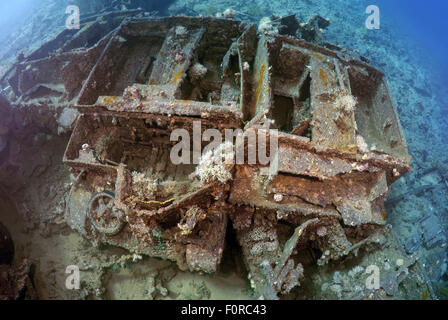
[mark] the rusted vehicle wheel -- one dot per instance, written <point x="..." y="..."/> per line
<point x="103" y="215"/>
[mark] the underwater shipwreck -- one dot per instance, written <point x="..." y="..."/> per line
<point x="124" y="82"/>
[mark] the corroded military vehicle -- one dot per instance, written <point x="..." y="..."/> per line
<point x="136" y="79"/>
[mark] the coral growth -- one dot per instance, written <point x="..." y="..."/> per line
<point x="265" y="26"/>
<point x="346" y="102"/>
<point x="213" y="165"/>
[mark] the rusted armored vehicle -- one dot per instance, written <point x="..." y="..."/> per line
<point x="339" y="144"/>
